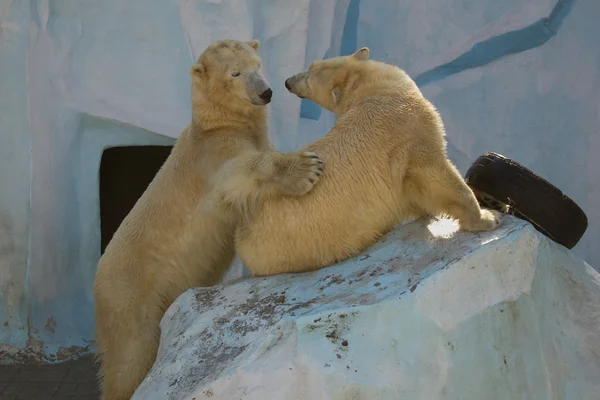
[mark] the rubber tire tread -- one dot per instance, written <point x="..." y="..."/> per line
<point x="529" y="196"/>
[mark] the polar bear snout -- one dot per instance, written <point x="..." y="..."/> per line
<point x="259" y="89"/>
<point x="294" y="86"/>
<point x="289" y="82"/>
<point x="266" y="96"/>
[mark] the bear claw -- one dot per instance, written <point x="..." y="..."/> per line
<point x="303" y="173"/>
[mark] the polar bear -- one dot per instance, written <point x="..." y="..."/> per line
<point x="386" y="162"/>
<point x="174" y="238"/>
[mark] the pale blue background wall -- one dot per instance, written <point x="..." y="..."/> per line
<point x="77" y="77"/>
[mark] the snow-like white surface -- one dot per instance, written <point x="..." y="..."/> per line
<point x="500" y="315"/>
<point x="77" y="77"/>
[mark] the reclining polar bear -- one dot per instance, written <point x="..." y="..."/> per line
<point x="385" y="162"/>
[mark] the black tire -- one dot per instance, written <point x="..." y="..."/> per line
<point x="505" y="185"/>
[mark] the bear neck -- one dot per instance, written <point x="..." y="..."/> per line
<point x="355" y="91"/>
<point x="213" y="116"/>
<point x="359" y="80"/>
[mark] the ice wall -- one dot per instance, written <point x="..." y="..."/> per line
<point x="519" y="78"/>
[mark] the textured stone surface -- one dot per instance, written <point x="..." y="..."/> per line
<point x="498" y="315"/>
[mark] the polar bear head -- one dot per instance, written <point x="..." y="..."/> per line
<point x="324" y="81"/>
<point x="229" y="72"/>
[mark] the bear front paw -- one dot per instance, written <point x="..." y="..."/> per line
<point x="300" y="173"/>
<point x="490" y="219"/>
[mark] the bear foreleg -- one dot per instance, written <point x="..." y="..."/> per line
<point x="244" y="182"/>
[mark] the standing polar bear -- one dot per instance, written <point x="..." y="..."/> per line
<point x="175" y="237"/>
<point x="386" y="162"/>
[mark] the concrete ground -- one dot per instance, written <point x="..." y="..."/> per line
<point x="74" y="380"/>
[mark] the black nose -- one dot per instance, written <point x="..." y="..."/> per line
<point x="287" y="84"/>
<point x="266" y="95"/>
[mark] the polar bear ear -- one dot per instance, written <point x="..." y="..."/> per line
<point x="335" y="94"/>
<point x="362" y="54"/>
<point x="255" y="44"/>
<point x="197" y="70"/>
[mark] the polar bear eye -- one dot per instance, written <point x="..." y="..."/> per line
<point x="235" y="74"/>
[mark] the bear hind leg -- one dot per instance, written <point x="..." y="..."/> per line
<point x="445" y="192"/>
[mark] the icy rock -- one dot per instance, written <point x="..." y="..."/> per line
<point x="424" y="314"/>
